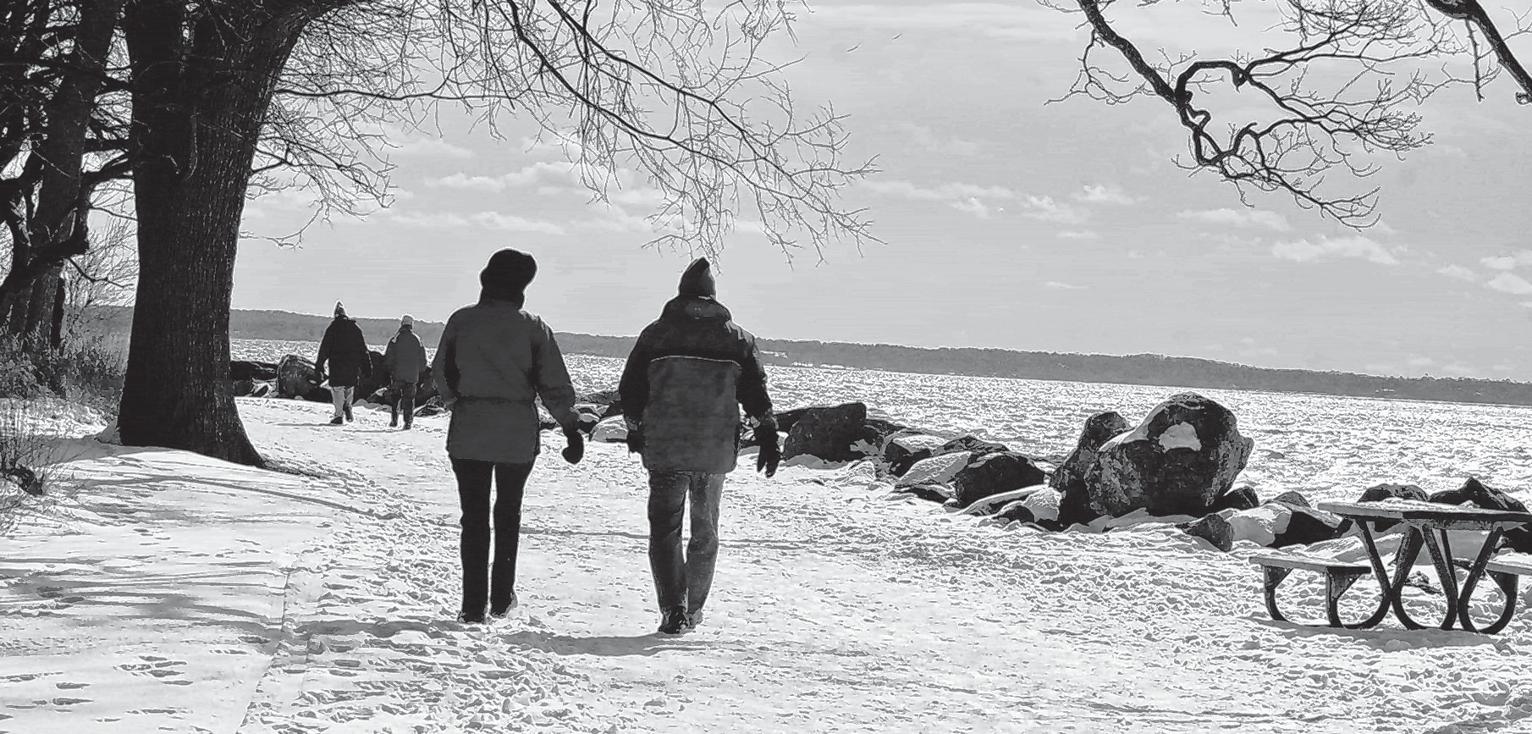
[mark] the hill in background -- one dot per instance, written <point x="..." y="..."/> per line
<point x="1136" y="369"/>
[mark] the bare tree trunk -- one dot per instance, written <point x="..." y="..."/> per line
<point x="55" y="229"/>
<point x="197" y="111"/>
<point x="56" y="328"/>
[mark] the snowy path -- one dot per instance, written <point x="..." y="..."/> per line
<point x="834" y="610"/>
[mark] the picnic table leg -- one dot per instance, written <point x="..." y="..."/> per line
<point x="1336" y="585"/>
<point x="1273" y="578"/>
<point x="1441" y="556"/>
<point x="1404" y="560"/>
<point x="1506" y="582"/>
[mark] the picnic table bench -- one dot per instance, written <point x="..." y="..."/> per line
<point x="1426" y="525"/>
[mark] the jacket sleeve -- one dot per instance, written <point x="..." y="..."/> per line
<point x="551" y="378"/>
<point x="324" y="348"/>
<point x="364" y="355"/>
<point x="422" y="361"/>
<point x="633" y="389"/>
<point x="751" y="390"/>
<point x="444" y="369"/>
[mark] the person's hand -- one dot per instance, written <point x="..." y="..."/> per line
<point x="770" y="455"/>
<point x="575" y="449"/>
<point x="635" y="440"/>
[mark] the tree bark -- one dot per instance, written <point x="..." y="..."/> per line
<point x="199" y="101"/>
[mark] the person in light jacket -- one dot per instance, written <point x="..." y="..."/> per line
<point x="493" y="361"/>
<point x="404" y="359"/>
<point x="344" y="352"/>
<point x="681" y="390"/>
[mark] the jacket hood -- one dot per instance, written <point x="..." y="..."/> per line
<point x="692" y="308"/>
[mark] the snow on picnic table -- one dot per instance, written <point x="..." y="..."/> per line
<point x="183" y="594"/>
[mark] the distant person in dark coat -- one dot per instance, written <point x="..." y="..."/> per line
<point x="404" y="359"/>
<point x="494" y="360"/>
<point x="344" y="349"/>
<point x="682" y="389"/>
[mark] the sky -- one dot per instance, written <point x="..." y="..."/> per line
<point x="1005" y="221"/>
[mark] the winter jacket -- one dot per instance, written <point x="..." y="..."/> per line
<point x="691" y="326"/>
<point x="404" y="358"/>
<point x="691" y="422"/>
<point x="493" y="361"/>
<point x="345" y="349"/>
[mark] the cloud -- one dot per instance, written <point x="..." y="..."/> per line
<point x="434" y="147"/>
<point x="1047" y="209"/>
<point x="980" y="201"/>
<point x="485" y="220"/>
<point x="1102" y="194"/>
<point x="943" y="192"/>
<point x="1509" y="262"/>
<point x="1081" y="234"/>
<point x="1459" y="272"/>
<point x="1238" y="218"/>
<point x="1510" y="283"/>
<point x="560" y="175"/>
<point x="927" y="138"/>
<point x="1349" y="246"/>
<point x="1010" y="21"/>
<point x="973" y="206"/>
<point x="1063" y="286"/>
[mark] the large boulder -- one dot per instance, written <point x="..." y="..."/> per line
<point x="297" y="378"/>
<point x="1178" y="461"/>
<point x="1306" y="526"/>
<point x="827" y="433"/>
<point x="1380" y="492"/>
<point x="994" y="472"/>
<point x="1039" y="508"/>
<point x="936" y="471"/>
<point x="1069" y="478"/>
<point x="253" y="371"/>
<point x="900" y="449"/>
<point x="970" y="444"/>
<point x="1243" y="498"/>
<point x="375" y="376"/>
<point x="1215" y="529"/>
<point x="610" y="430"/>
<point x="242" y="388"/>
<point x="1475" y="493"/>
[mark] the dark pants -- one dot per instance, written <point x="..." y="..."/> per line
<point x="682" y="582"/>
<point x="403" y="400"/>
<point x="473" y="479"/>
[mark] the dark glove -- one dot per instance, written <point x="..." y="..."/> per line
<point x="771" y="451"/>
<point x="635" y="439"/>
<point x="575" y="450"/>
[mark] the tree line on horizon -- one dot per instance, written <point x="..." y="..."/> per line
<point x="1134" y="369"/>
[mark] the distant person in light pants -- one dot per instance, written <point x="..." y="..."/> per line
<point x="404" y="359"/>
<point x="681" y="389"/>
<point x="494" y="359"/>
<point x="344" y="350"/>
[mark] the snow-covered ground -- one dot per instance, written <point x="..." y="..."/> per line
<point x="178" y="593"/>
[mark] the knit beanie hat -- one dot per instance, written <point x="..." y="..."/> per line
<point x="340" y="311"/>
<point x="698" y="280"/>
<point x="407" y="320"/>
<point x="508" y="270"/>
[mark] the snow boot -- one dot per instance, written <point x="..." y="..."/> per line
<point x="471" y="617"/>
<point x="693" y="619"/>
<point x="673" y="622"/>
<point x="499" y="611"/>
<point x="336" y="421"/>
<point x="394" y="422"/>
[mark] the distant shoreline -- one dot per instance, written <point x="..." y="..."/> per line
<point x="1135" y="369"/>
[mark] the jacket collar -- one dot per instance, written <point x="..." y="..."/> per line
<point x="694" y="308"/>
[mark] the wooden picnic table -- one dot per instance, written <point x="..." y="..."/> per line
<point x="1426" y="525"/>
